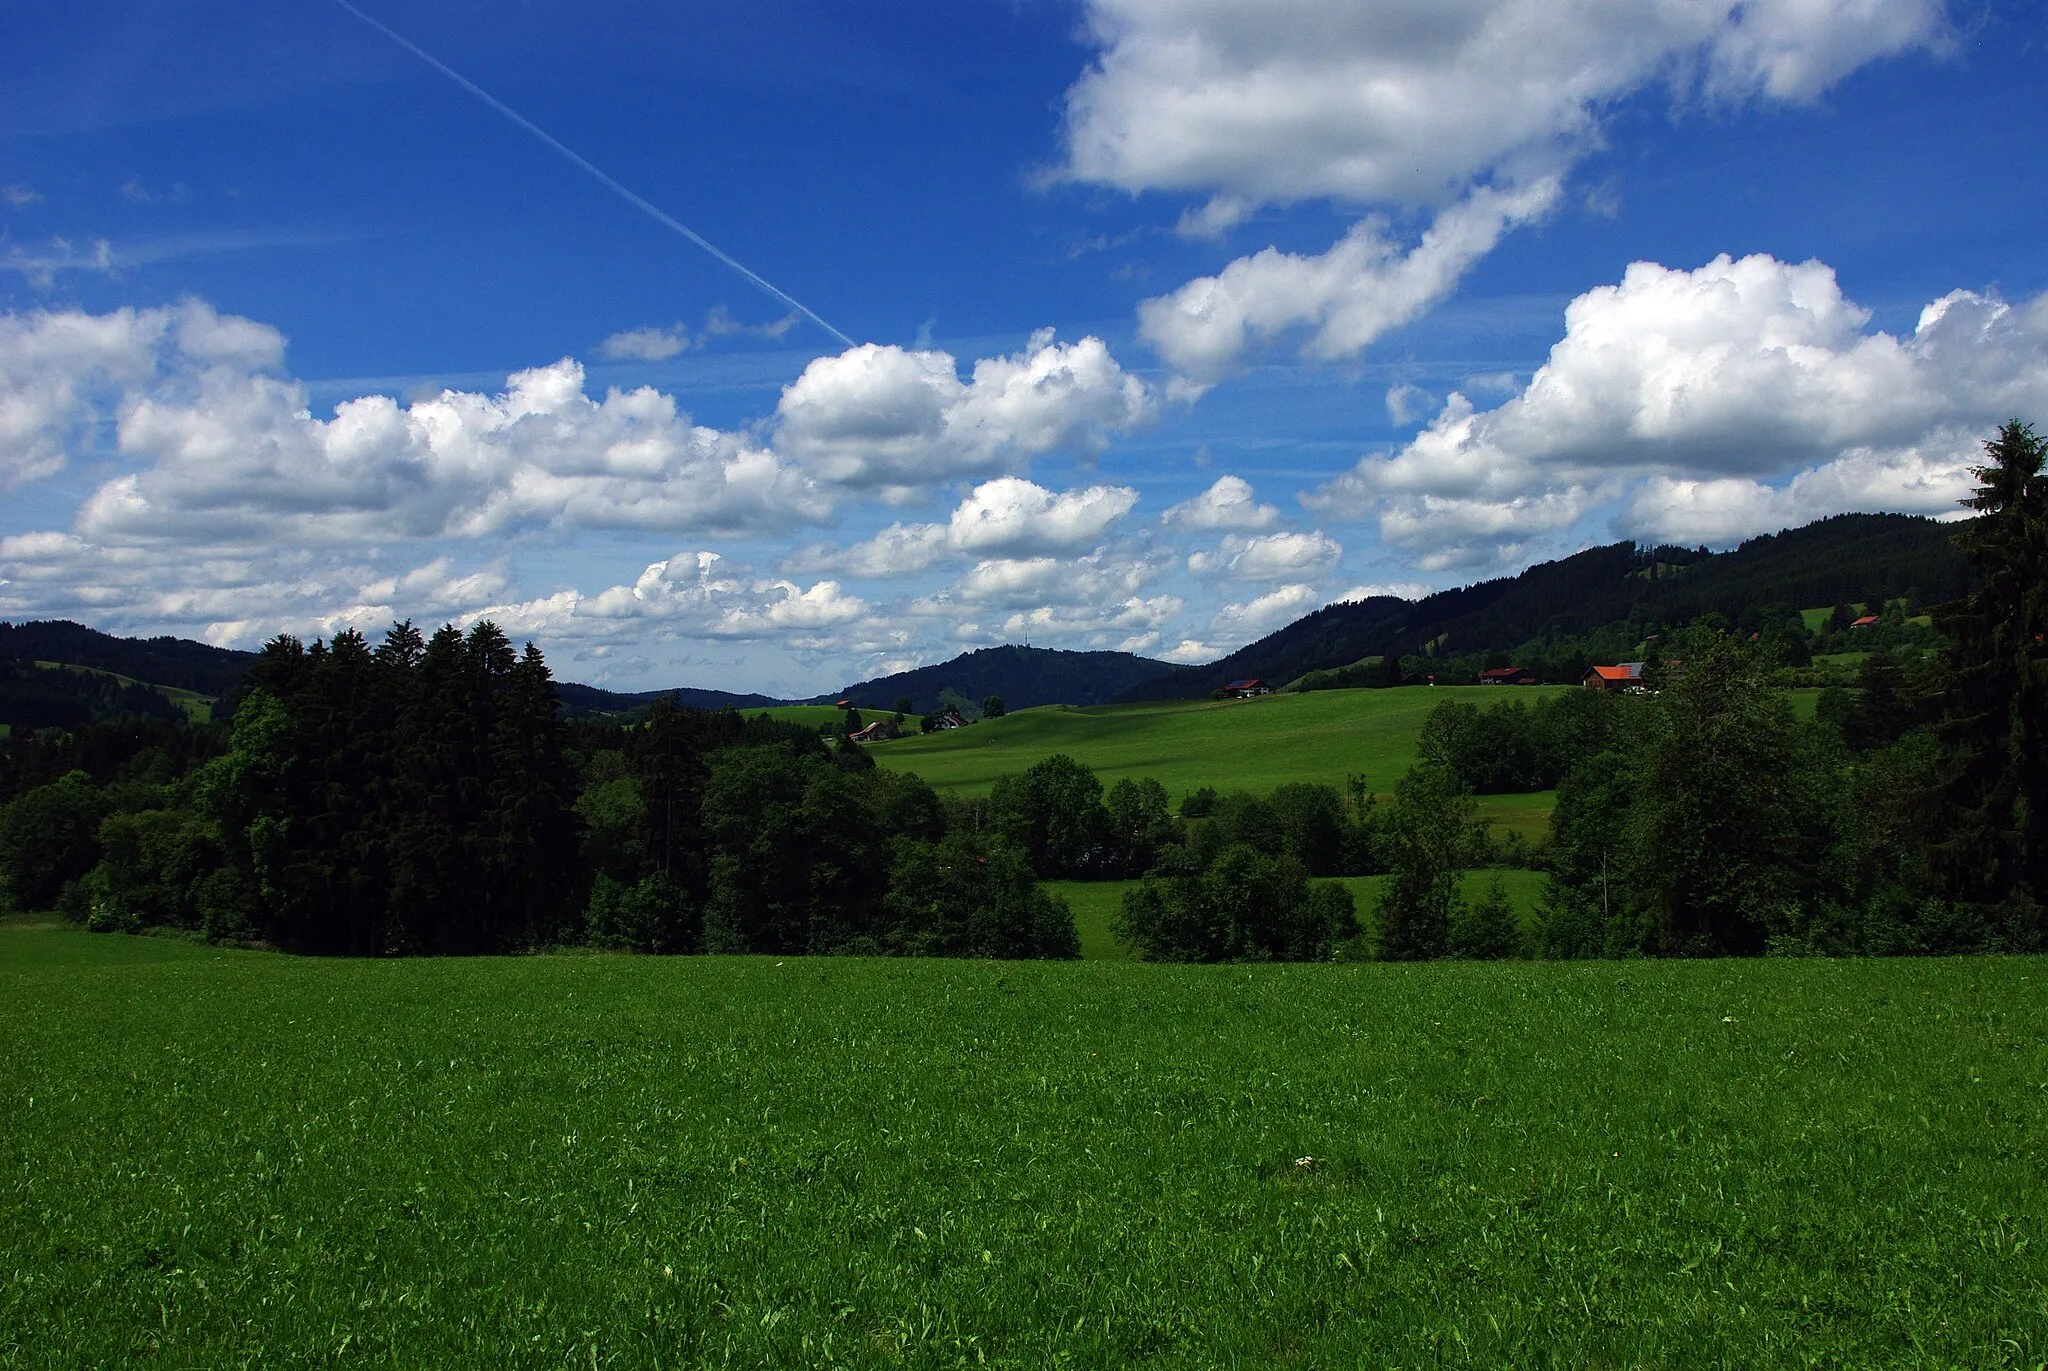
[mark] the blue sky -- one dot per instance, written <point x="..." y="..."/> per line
<point x="1175" y="319"/>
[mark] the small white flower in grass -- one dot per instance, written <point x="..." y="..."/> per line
<point x="1304" y="1163"/>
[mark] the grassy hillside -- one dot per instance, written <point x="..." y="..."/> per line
<point x="216" y="1158"/>
<point x="1235" y="744"/>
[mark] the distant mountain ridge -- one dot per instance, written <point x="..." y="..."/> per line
<point x="1023" y="676"/>
<point x="583" y="699"/>
<point x="1847" y="558"/>
<point x="163" y="661"/>
<point x="217" y="671"/>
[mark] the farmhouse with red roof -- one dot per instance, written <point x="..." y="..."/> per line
<point x="1624" y="676"/>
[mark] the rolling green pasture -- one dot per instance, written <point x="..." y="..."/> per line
<point x="1232" y="745"/>
<point x="220" y="1158"/>
<point x="814" y="716"/>
<point x="811" y="715"/>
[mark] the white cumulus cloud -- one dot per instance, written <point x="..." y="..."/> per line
<point x="691" y="594"/>
<point x="1229" y="504"/>
<point x="1411" y="101"/>
<point x="1097" y="600"/>
<point x="1346" y="297"/>
<point x="1270" y="556"/>
<point x="1736" y="398"/>
<point x="1476" y="108"/>
<point x="62" y="373"/>
<point x="1238" y="624"/>
<point x="232" y="455"/>
<point x="1192" y="652"/>
<point x="885" y="416"/>
<point x="1009" y="516"/>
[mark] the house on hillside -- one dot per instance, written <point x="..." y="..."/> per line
<point x="1625" y="676"/>
<point x="880" y="731"/>
<point x="1867" y="621"/>
<point x="1246" y="689"/>
<point x="947" y="718"/>
<point x="1507" y="675"/>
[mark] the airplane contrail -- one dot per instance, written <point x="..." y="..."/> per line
<point x="652" y="211"/>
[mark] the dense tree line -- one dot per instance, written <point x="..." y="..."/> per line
<point x="424" y="796"/>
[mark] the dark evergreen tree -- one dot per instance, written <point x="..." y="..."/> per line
<point x="1992" y="845"/>
<point x="1883" y="712"/>
<point x="1486" y="931"/>
<point x="671" y="786"/>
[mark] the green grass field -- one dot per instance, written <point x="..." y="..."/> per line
<point x="1252" y="745"/>
<point x="1233" y="745"/>
<point x="219" y="1158"/>
<point x="814" y="716"/>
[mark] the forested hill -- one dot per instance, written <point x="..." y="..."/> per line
<point x="175" y="662"/>
<point x="582" y="699"/>
<point x="38" y="699"/>
<point x="1023" y="676"/>
<point x="1851" y="558"/>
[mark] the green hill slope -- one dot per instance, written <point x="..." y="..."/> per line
<point x="1231" y="745"/>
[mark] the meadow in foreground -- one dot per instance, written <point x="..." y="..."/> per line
<point x="211" y="1157"/>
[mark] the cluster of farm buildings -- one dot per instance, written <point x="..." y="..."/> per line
<point x="1621" y="676"/>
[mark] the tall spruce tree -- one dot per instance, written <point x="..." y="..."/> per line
<point x="1992" y="848"/>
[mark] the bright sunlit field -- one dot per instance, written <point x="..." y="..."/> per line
<point x="222" y="1158"/>
<point x="1250" y="745"/>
